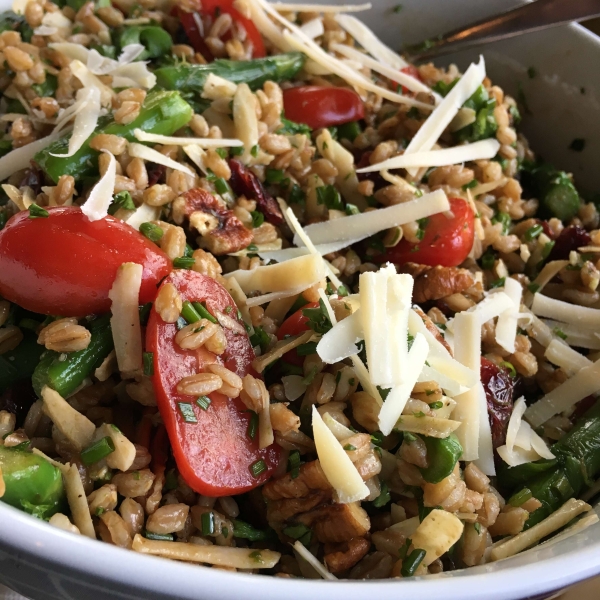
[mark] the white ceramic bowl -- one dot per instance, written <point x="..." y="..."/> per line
<point x="44" y="563"/>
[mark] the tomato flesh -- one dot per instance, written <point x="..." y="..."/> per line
<point x="213" y="455"/>
<point x="413" y="72"/>
<point x="214" y="8"/>
<point x="293" y="325"/>
<point x="66" y="264"/>
<point x="322" y="106"/>
<point x="447" y="241"/>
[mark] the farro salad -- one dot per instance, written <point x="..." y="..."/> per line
<point x="275" y="300"/>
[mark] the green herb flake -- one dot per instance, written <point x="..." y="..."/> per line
<point x="187" y="412"/>
<point x="487" y="260"/>
<point x="498" y="283"/>
<point x="533" y="232"/>
<point x="254" y="151"/>
<point x="349" y="447"/>
<point x="37" y="212"/>
<point x="299" y="532"/>
<point x="477" y="527"/>
<point x="436" y="405"/>
<point x="203" y="402"/>
<point x="256" y="556"/>
<point x="274" y="175"/>
<point x="294" y="462"/>
<point x="153" y="232"/>
<point x="352" y="209"/>
<point x="148" y="358"/>
<point x="208" y="523"/>
<point x="121" y="200"/>
<point x="330" y="197"/>
<point x="222" y="152"/>
<point x="383" y="498"/>
<point x="159" y="537"/>
<point x="469" y="186"/>
<point x="559" y="333"/>
<point x="184" y="262"/>
<point x="534" y="288"/>
<point x="252" y="425"/>
<point x="509" y="367"/>
<point x="97" y="451"/>
<point x="257" y="218"/>
<point x="258" y="467"/>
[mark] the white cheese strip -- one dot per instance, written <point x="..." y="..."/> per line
<point x="313" y="28"/>
<point x="339" y="342"/>
<point x="302" y="272"/>
<point x="245" y="120"/>
<point x="483" y="149"/>
<point x="492" y="306"/>
<point x="545" y="276"/>
<point x="86" y="120"/>
<point x="217" y="88"/>
<point x="80" y="510"/>
<point x="310" y="558"/>
<point x="514" y="423"/>
<point x="517" y="456"/>
<point x="436" y="534"/>
<point x="89" y="80"/>
<point x="359" y="227"/>
<point x="540" y="446"/>
<point x="438" y="121"/>
<point x="295" y="226"/>
<point x="579" y="336"/>
<point x="155" y="138"/>
<point x="304" y="44"/>
<point x="398" y="306"/>
<point x="336" y="464"/>
<point x="289" y="253"/>
<point x="565" y="396"/>
<point x="340" y="431"/>
<point x="370" y="42"/>
<point x="124" y="453"/>
<point x="320" y="8"/>
<point x="408" y="81"/>
<point x="467" y="350"/>
<point x="523" y="437"/>
<point x="125" y="320"/>
<point x="559" y="354"/>
<point x="485" y="461"/>
<point x="143" y="214"/>
<point x="197" y="156"/>
<point x="506" y="327"/>
<point x="398" y="397"/>
<point x="450" y="386"/>
<point x="97" y="203"/>
<point x="274" y="296"/>
<point x="543" y="306"/>
<point x="151" y="155"/>
<point x="135" y="73"/>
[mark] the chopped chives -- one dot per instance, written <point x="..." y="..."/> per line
<point x="245" y="531"/>
<point x="184" y="262"/>
<point x="307" y="349"/>
<point x="208" y="523"/>
<point x="534" y="288"/>
<point x="256" y="556"/>
<point x="203" y="402"/>
<point x="349" y="447"/>
<point x="520" y="497"/>
<point x="470" y="185"/>
<point x="257" y="218"/>
<point x="478" y="528"/>
<point x="37" y="212"/>
<point x="409" y="437"/>
<point x="187" y="412"/>
<point x="189" y="313"/>
<point x="252" y="425"/>
<point x="97" y="451"/>
<point x="274" y="175"/>
<point x="222" y="152"/>
<point x="258" y="467"/>
<point x="148" y="363"/>
<point x="436" y="405"/>
<point x="299" y="532"/>
<point x="411" y="563"/>
<point x="560" y="333"/>
<point x="497" y="283"/>
<point x="294" y="464"/>
<point x="533" y="232"/>
<point x="153" y="232"/>
<point x="383" y="498"/>
<point x="509" y="367"/>
<point x="159" y="537"/>
<point x="203" y="312"/>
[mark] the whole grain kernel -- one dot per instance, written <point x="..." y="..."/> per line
<point x="111" y="143"/>
<point x="127" y="112"/>
<point x="168" y="303"/>
<point x="199" y="384"/>
<point x="17" y="59"/>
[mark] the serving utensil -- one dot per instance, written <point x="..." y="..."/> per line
<point x="534" y="16"/>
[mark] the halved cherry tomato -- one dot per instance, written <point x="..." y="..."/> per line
<point x="447" y="241"/>
<point x="215" y="8"/>
<point x="66" y="264"/>
<point x="188" y="21"/>
<point x="215" y="453"/>
<point x="293" y="325"/>
<point x="322" y="106"/>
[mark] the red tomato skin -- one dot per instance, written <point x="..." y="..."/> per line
<point x="193" y="33"/>
<point x="226" y="6"/>
<point x="322" y="106"/>
<point x="66" y="264"/>
<point x="293" y="325"/>
<point x="447" y="241"/>
<point x="213" y="455"/>
<point x="413" y="72"/>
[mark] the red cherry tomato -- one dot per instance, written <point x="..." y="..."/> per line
<point x="214" y="454"/>
<point x="293" y="325"/>
<point x="214" y="8"/>
<point x="66" y="264"/>
<point x="447" y="241"/>
<point x="322" y="106"/>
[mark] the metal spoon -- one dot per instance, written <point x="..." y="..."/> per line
<point x="534" y="16"/>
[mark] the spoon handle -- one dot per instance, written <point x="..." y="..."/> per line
<point x="533" y="16"/>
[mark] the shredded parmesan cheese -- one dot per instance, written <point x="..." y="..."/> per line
<point x="436" y="534"/>
<point x="77" y="500"/>
<point x="246" y="122"/>
<point x="140" y="151"/>
<point x="543" y="306"/>
<point x="305" y="554"/>
<point x="125" y="320"/>
<point x="336" y="464"/>
<point x="124" y="453"/>
<point x="506" y="327"/>
<point x="559" y="354"/>
<point x="98" y="202"/>
<point x="340" y="342"/>
<point x="155" y="138"/>
<point x="320" y="8"/>
<point x="359" y="227"/>
<point x="143" y="214"/>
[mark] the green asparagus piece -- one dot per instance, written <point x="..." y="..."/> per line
<point x="155" y="39"/>
<point x="162" y="113"/>
<point x="558" y="196"/>
<point x="32" y="483"/>
<point x="255" y="73"/>
<point x="20" y="363"/>
<point x="442" y="456"/>
<point x="65" y="375"/>
<point x="553" y="482"/>
<point x="245" y="531"/>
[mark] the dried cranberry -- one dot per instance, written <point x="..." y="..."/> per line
<point x="499" y="387"/>
<point x="33" y="178"/>
<point x="375" y="177"/>
<point x="570" y="238"/>
<point x="243" y="181"/>
<point x="18" y="400"/>
<point x="155" y="172"/>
